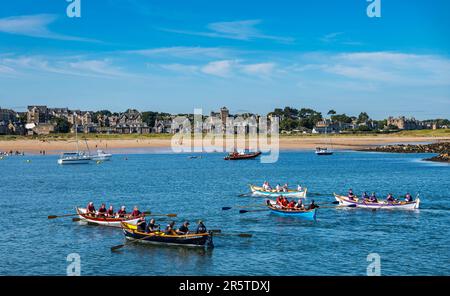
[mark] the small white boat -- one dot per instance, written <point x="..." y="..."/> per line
<point x="381" y="205"/>
<point x="101" y="155"/>
<point x="74" y="158"/>
<point x="105" y="221"/>
<point x="259" y="191"/>
<point x="323" y="151"/>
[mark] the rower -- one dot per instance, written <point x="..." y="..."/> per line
<point x="365" y="196"/>
<point x="351" y="195"/>
<point x="183" y="230"/>
<point x="285" y="187"/>
<point x="141" y="224"/>
<point x="313" y="205"/>
<point x="373" y="198"/>
<point x="90" y="209"/>
<point x="291" y="205"/>
<point x="299" y="204"/>
<point x="201" y="228"/>
<point x="151" y="226"/>
<point x="299" y="187"/>
<point x="279" y="200"/>
<point x="284" y="202"/>
<point x="122" y="212"/>
<point x="136" y="212"/>
<point x="408" y="197"/>
<point x="170" y="228"/>
<point x="390" y="198"/>
<point x="278" y="188"/>
<point x="110" y="212"/>
<point x="102" y="211"/>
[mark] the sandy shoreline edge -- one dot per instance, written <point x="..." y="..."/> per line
<point x="34" y="146"/>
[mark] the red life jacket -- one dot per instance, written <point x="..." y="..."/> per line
<point x="284" y="202"/>
<point x="110" y="212"/>
<point x="90" y="208"/>
<point x="135" y="213"/>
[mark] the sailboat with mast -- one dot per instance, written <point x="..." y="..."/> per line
<point x="78" y="157"/>
<point x="325" y="150"/>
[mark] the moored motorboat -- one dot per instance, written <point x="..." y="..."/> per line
<point x="358" y="203"/>
<point x="101" y="156"/>
<point x="158" y="237"/>
<point x="105" y="221"/>
<point x="259" y="191"/>
<point x="242" y="155"/>
<point x="304" y="214"/>
<point x="323" y="151"/>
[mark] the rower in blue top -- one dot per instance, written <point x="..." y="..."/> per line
<point x="373" y="197"/>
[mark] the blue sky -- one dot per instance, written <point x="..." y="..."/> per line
<point x="175" y="56"/>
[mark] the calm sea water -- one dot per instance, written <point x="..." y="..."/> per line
<point x="409" y="243"/>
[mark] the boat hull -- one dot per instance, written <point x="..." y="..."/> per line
<point x="73" y="161"/>
<point x="344" y="201"/>
<point x="105" y="157"/>
<point x="112" y="222"/>
<point x="159" y="238"/>
<point x="258" y="191"/>
<point x="303" y="214"/>
<point x="242" y="157"/>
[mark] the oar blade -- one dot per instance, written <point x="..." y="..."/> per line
<point x="243" y="211"/>
<point x="171" y="215"/>
<point x="52" y="217"/>
<point x="76" y="219"/>
<point x="117" y="247"/>
<point x="245" y="235"/>
<point x="223" y="209"/>
<point x="216" y="230"/>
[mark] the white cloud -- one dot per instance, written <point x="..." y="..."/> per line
<point x="239" y="30"/>
<point x="184" y="52"/>
<point x="219" y="68"/>
<point x="34" y="26"/>
<point x="260" y="69"/>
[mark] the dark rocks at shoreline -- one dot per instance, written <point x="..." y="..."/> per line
<point x="442" y="148"/>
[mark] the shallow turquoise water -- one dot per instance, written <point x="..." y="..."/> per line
<point x="409" y="243"/>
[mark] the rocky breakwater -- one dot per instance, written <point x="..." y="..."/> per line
<point x="443" y="150"/>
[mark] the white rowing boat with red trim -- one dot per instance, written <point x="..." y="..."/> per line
<point x="105" y="221"/>
<point x="383" y="205"/>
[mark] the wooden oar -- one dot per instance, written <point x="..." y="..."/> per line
<point x="243" y="207"/>
<point x="245" y="194"/>
<point x="54" y="216"/>
<point x="123" y="245"/>
<point x="251" y="211"/>
<point x="219" y="232"/>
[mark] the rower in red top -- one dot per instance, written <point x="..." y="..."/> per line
<point x="110" y="212"/>
<point x="136" y="212"/>
<point x="279" y="200"/>
<point x="291" y="205"/>
<point x="102" y="211"/>
<point x="284" y="202"/>
<point x="90" y="209"/>
<point x="122" y="212"/>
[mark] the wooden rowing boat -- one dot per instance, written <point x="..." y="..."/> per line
<point x="189" y="240"/>
<point x="304" y="214"/>
<point x="259" y="191"/>
<point x="403" y="205"/>
<point x="105" y="221"/>
<point x="241" y="156"/>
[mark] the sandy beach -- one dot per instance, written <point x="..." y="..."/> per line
<point x="34" y="146"/>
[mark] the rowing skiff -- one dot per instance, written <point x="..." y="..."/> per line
<point x="304" y="214"/>
<point x="259" y="191"/>
<point x="190" y="240"/>
<point x="105" y="221"/>
<point x="402" y="205"/>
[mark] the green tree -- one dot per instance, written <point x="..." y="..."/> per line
<point x="331" y="112"/>
<point x="61" y="125"/>
<point x="363" y="117"/>
<point x="309" y="117"/>
<point x="343" y="118"/>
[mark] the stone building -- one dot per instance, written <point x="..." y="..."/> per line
<point x="404" y="123"/>
<point x="37" y="114"/>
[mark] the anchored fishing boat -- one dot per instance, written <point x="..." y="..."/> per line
<point x="190" y="240"/>
<point x="259" y="191"/>
<point x="401" y="205"/>
<point x="105" y="221"/>
<point x="242" y="155"/>
<point x="304" y="214"/>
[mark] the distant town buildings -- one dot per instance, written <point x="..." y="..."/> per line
<point x="40" y="119"/>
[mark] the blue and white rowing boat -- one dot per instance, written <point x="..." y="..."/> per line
<point x="259" y="191"/>
<point x="303" y="214"/>
<point x="382" y="205"/>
